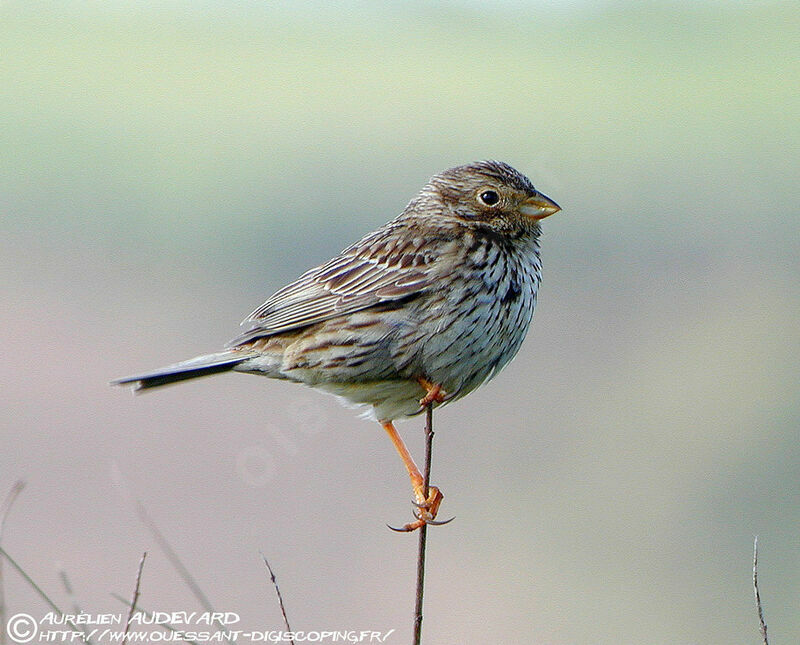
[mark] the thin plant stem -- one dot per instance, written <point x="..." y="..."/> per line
<point x="761" y="622"/>
<point x="5" y="509"/>
<point x="76" y="608"/>
<point x="175" y="561"/>
<point x="135" y="597"/>
<point x="423" y="531"/>
<point x="280" y="596"/>
<point x="30" y="581"/>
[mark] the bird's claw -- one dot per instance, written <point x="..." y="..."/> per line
<point x="401" y="529"/>
<point x="413" y="526"/>
<point x="425" y="512"/>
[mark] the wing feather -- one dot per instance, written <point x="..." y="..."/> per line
<point x="373" y="271"/>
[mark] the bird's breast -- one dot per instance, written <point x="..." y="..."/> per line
<point x="473" y="326"/>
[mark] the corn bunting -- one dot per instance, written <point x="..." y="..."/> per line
<point x="420" y="312"/>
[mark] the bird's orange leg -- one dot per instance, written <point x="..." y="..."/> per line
<point x="433" y="393"/>
<point x="428" y="506"/>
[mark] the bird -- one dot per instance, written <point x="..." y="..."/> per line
<point x="418" y="313"/>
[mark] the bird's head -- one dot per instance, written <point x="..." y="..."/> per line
<point x="489" y="194"/>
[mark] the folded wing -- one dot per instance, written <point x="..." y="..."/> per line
<point x="383" y="267"/>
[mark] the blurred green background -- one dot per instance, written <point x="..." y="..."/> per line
<point x="165" y="166"/>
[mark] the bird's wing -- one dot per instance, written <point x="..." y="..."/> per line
<point x="382" y="267"/>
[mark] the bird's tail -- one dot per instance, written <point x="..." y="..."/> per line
<point x="201" y="366"/>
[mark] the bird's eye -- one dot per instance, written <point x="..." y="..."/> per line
<point x="489" y="197"/>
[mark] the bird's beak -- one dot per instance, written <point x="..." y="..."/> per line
<point x="538" y="207"/>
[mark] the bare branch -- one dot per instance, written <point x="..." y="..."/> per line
<point x="5" y="508"/>
<point x="762" y="624"/>
<point x="135" y="597"/>
<point x="173" y="558"/>
<point x="183" y="572"/>
<point x="423" y="531"/>
<point x="76" y="608"/>
<point x="8" y="502"/>
<point x="30" y="581"/>
<point x="280" y="596"/>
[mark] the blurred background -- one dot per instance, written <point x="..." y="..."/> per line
<point x="164" y="167"/>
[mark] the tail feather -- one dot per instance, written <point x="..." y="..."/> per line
<point x="193" y="368"/>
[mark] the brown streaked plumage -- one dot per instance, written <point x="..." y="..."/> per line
<point x="422" y="310"/>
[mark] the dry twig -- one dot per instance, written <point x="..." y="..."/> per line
<point x="75" y="606"/>
<point x="762" y="624"/>
<point x="176" y="562"/>
<point x="65" y="582"/>
<point x="5" y="508"/>
<point x="8" y="502"/>
<point x="280" y="596"/>
<point x="30" y="581"/>
<point x="173" y="558"/>
<point x="135" y="597"/>
<point x="423" y="531"/>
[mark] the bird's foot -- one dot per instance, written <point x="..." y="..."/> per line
<point x="425" y="510"/>
<point x="433" y="393"/>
